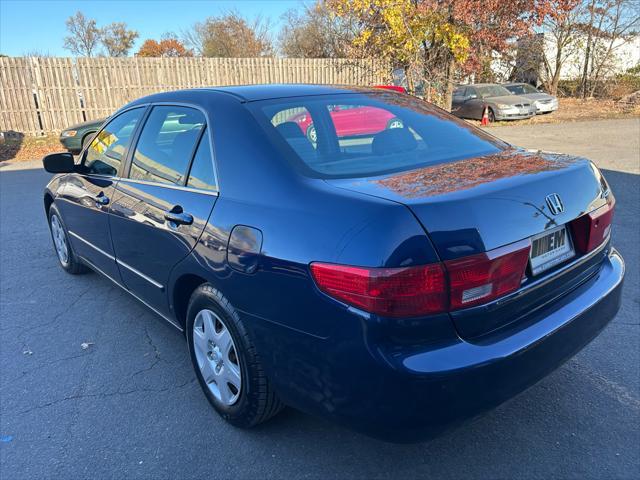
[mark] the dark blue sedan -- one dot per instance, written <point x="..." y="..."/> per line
<point x="396" y="279"/>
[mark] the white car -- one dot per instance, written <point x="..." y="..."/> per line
<point x="543" y="102"/>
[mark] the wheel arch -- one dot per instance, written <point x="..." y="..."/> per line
<point x="48" y="201"/>
<point x="183" y="288"/>
<point x="84" y="138"/>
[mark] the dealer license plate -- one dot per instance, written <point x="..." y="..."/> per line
<point x="550" y="248"/>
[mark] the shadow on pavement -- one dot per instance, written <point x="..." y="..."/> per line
<point x="129" y="404"/>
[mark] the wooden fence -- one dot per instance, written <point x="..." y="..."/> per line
<point x="45" y="95"/>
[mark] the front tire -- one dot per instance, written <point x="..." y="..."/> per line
<point x="225" y="361"/>
<point x="491" y="115"/>
<point x="66" y="256"/>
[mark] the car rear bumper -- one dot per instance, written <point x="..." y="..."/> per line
<point x="411" y="393"/>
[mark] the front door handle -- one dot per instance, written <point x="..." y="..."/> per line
<point x="101" y="200"/>
<point x="178" y="217"/>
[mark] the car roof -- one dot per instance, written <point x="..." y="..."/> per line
<point x="252" y="93"/>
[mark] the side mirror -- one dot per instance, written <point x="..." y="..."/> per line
<point x="59" y="163"/>
<point x="473" y="96"/>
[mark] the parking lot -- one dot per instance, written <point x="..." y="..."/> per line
<point x="93" y="384"/>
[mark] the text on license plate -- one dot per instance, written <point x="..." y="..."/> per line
<point x="549" y="249"/>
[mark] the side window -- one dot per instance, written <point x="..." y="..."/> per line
<point x="106" y="152"/>
<point x="166" y="144"/>
<point x="201" y="174"/>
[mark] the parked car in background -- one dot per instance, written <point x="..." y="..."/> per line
<point x="470" y="101"/>
<point x="398" y="282"/>
<point x="543" y="102"/>
<point x="349" y="121"/>
<point x="76" y="137"/>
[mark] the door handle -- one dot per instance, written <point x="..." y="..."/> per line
<point x="178" y="217"/>
<point x="101" y="199"/>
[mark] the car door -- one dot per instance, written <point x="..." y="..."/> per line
<point x="457" y="101"/>
<point x="162" y="205"/>
<point x="474" y="105"/>
<point x="85" y="196"/>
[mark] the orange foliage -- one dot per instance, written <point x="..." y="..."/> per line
<point x="169" y="47"/>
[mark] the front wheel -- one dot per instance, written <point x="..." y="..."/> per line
<point x="225" y="361"/>
<point x="491" y="116"/>
<point x="67" y="258"/>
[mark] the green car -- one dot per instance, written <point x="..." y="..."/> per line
<point x="76" y="137"/>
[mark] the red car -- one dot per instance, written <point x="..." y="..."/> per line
<point x="352" y="121"/>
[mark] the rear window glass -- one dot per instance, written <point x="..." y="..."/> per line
<point x="340" y="136"/>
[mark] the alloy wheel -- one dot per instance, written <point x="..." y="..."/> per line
<point x="59" y="240"/>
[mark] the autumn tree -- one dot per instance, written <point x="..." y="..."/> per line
<point x="84" y="35"/>
<point x="117" y="39"/>
<point x="607" y="26"/>
<point x="436" y="40"/>
<point x="230" y="35"/>
<point x="313" y="31"/>
<point x="166" y="47"/>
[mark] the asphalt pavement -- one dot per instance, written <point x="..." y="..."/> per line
<point x="94" y="385"/>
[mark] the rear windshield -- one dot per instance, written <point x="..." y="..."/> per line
<point x="362" y="135"/>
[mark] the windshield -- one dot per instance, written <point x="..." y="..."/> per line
<point x="522" y="89"/>
<point x="486" y="91"/>
<point x="360" y="135"/>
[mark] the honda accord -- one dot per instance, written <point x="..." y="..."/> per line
<point x="397" y="281"/>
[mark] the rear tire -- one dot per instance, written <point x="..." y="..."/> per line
<point x="312" y="135"/>
<point x="69" y="261"/>
<point x="249" y="398"/>
<point x="395" y="123"/>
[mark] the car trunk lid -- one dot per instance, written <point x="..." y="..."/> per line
<point x="479" y="204"/>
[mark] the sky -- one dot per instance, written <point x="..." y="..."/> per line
<point x="27" y="26"/>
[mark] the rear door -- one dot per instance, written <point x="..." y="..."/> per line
<point x="161" y="206"/>
<point x="85" y="197"/>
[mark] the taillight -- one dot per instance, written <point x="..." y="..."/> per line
<point x="426" y="289"/>
<point x="591" y="229"/>
<point x="390" y="292"/>
<point x="484" y="277"/>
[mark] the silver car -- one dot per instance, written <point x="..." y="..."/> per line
<point x="470" y="101"/>
<point x="543" y="102"/>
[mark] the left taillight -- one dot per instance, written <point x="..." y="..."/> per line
<point x="484" y="277"/>
<point x="426" y="289"/>
<point x="389" y="292"/>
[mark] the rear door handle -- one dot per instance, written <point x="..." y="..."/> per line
<point x="178" y="217"/>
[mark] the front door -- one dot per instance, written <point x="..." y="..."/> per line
<point x="85" y="196"/>
<point x="161" y="207"/>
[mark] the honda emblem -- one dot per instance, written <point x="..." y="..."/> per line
<point x="555" y="204"/>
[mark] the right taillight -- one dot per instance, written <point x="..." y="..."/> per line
<point x="484" y="277"/>
<point x="426" y="289"/>
<point x="591" y="229"/>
